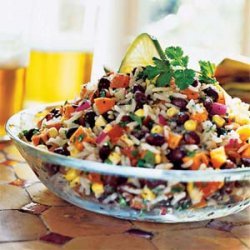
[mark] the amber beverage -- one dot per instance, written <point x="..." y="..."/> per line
<point x="56" y="75"/>
<point x="12" y="82"/>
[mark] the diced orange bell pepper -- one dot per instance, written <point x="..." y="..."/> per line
<point x="56" y="125"/>
<point x="82" y="135"/>
<point x="68" y="109"/>
<point x="36" y="139"/>
<point x="208" y="188"/>
<point x="198" y="159"/>
<point x="94" y="177"/>
<point x="190" y="94"/>
<point x="174" y="140"/>
<point x="120" y="81"/>
<point x="115" y="133"/>
<point x="246" y="152"/>
<point x="104" y="104"/>
<point x="199" y="117"/>
<point x="218" y="157"/>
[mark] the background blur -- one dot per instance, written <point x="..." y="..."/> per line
<point x="59" y="44"/>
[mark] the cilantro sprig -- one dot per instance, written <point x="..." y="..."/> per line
<point x="174" y="65"/>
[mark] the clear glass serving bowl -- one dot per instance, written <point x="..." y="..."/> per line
<point x="168" y="195"/>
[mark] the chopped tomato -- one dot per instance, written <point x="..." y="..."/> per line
<point x="115" y="133"/>
<point x="174" y="140"/>
<point x="208" y="188"/>
<point x="190" y="94"/>
<point x="200" y="117"/>
<point x="198" y="159"/>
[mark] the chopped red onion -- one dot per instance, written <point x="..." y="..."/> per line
<point x="101" y="137"/>
<point x="218" y="109"/>
<point x="83" y="106"/>
<point x="162" y="120"/>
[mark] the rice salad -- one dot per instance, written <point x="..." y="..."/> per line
<point x="126" y="119"/>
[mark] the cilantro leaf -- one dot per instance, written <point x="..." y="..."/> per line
<point x="184" y="78"/>
<point x="175" y="55"/>
<point x="149" y="158"/>
<point x="164" y="79"/>
<point x="207" y="72"/>
<point x="136" y="119"/>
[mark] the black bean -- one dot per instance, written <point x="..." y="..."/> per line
<point x="155" y="139"/>
<point x="55" y="112"/>
<point x="195" y="83"/>
<point x="138" y="88"/>
<point x="176" y="155"/>
<point x="104" y="152"/>
<point x="106" y="116"/>
<point x="154" y="183"/>
<point x="246" y="161"/>
<point x="140" y="99"/>
<point x="191" y="138"/>
<point x="62" y="151"/>
<point x="179" y="102"/>
<point x="28" y="134"/>
<point x="212" y="93"/>
<point x="148" y="122"/>
<point x="139" y="134"/>
<point x="181" y="118"/>
<point x="126" y="119"/>
<point x="70" y="132"/>
<point x="228" y="165"/>
<point x="110" y="180"/>
<point x="90" y="119"/>
<point x="208" y="103"/>
<point x="104" y="83"/>
<point x="51" y="168"/>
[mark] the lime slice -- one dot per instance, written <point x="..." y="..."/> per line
<point x="141" y="52"/>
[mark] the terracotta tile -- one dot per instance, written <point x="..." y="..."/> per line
<point x="24" y="172"/>
<point x="13" y="153"/>
<point x="161" y="227"/>
<point x="40" y="194"/>
<point x="243" y="233"/>
<point x="73" y="221"/>
<point x="110" y="242"/>
<point x="15" y="226"/>
<point x="55" y="238"/>
<point x="13" y="197"/>
<point x="238" y="219"/>
<point x="6" y="174"/>
<point x="28" y="245"/>
<point x="197" y="239"/>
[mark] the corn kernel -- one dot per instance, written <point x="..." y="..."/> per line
<point x="244" y="132"/>
<point x="157" y="129"/>
<point x="75" y="182"/>
<point x="242" y="120"/>
<point x="97" y="188"/>
<point x="147" y="194"/>
<point x="139" y="112"/>
<point x="71" y="174"/>
<point x="190" y="125"/>
<point x="100" y="121"/>
<point x="172" y="111"/>
<point x="52" y="132"/>
<point x="157" y="158"/>
<point x="127" y="140"/>
<point x="219" y="121"/>
<point x="107" y="128"/>
<point x="114" y="157"/>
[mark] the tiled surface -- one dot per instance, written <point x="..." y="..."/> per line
<point x="31" y="217"/>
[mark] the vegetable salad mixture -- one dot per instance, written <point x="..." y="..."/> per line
<point x="162" y="116"/>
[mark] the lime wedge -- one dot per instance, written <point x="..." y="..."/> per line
<point x="141" y="52"/>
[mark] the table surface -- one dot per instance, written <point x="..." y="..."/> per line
<point x="31" y="217"/>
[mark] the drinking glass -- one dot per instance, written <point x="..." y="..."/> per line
<point x="62" y="34"/>
<point x="14" y="17"/>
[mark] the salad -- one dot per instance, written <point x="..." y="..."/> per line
<point x="155" y="114"/>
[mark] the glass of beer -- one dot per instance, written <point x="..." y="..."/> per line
<point x="61" y="49"/>
<point x="14" y="29"/>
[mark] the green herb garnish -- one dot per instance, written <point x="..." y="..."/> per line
<point x="191" y="153"/>
<point x="149" y="158"/>
<point x="80" y="138"/>
<point x="174" y="65"/>
<point x="136" y="119"/>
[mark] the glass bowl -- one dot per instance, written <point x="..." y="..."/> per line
<point x="131" y="192"/>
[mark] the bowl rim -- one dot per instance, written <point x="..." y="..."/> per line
<point x="127" y="171"/>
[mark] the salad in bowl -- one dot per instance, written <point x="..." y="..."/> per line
<point x="156" y="141"/>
